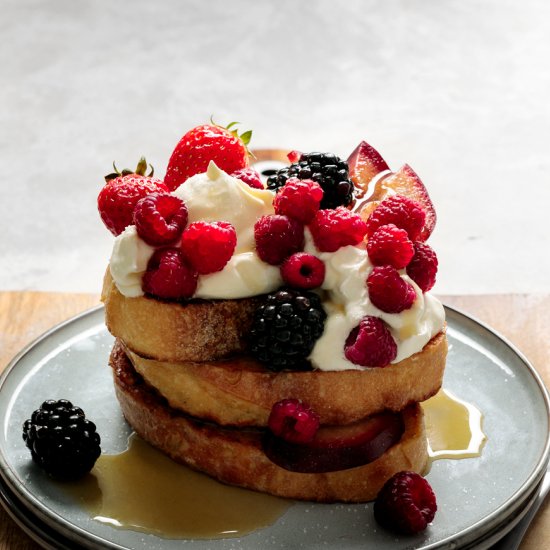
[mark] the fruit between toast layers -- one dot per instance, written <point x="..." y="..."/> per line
<point x="236" y="457"/>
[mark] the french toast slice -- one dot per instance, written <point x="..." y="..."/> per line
<point x="199" y="330"/>
<point x="241" y="392"/>
<point x="235" y="456"/>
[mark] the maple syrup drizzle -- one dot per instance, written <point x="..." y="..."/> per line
<point x="143" y="490"/>
<point x="453" y="427"/>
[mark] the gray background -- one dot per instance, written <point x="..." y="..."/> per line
<point x="459" y="89"/>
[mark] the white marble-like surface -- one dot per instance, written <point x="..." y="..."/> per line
<point x="459" y="89"/>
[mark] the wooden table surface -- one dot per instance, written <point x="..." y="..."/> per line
<point x="524" y="319"/>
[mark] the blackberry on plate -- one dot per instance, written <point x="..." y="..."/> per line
<point x="61" y="440"/>
<point x="286" y="327"/>
<point x="328" y="170"/>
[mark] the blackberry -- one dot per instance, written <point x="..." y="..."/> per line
<point x="328" y="170"/>
<point x="286" y="327"/>
<point x="61" y="440"/>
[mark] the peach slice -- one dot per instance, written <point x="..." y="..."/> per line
<point x="337" y="447"/>
<point x="403" y="182"/>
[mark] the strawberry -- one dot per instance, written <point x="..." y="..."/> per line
<point x="121" y="193"/>
<point x="201" y="145"/>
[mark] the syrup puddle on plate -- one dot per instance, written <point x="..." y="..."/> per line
<point x="453" y="427"/>
<point x="143" y="490"/>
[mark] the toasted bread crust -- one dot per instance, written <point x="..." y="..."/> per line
<point x="169" y="331"/>
<point x="235" y="456"/>
<point x="241" y="392"/>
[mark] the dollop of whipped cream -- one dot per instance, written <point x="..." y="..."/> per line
<point x="217" y="196"/>
<point x="347" y="302"/>
<point x="211" y="196"/>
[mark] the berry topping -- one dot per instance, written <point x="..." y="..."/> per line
<point x="401" y="211"/>
<point x="388" y="291"/>
<point x="370" y="344"/>
<point x="423" y="267"/>
<point x="332" y="229"/>
<point x="298" y="199"/>
<point x="277" y="237"/>
<point x="61" y="440"/>
<point x="202" y="144"/>
<point x="250" y="177"/>
<point x="390" y="245"/>
<point x="169" y="275"/>
<point x="209" y="246"/>
<point x="119" y="196"/>
<point x="302" y="270"/>
<point x="293" y="421"/>
<point x="160" y="218"/>
<point x="286" y="327"/>
<point x="405" y="504"/>
<point x="328" y="170"/>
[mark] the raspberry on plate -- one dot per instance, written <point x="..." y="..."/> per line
<point x="250" y="177"/>
<point x="119" y="196"/>
<point x="423" y="267"/>
<point x="332" y="229"/>
<point x="302" y="270"/>
<point x="370" y="344"/>
<point x="388" y="291"/>
<point x="277" y="237"/>
<point x="293" y="421"/>
<point x="169" y="276"/>
<point x="390" y="245"/>
<point x="208" y="246"/>
<point x="401" y="211"/>
<point x="405" y="504"/>
<point x="160" y="218"/>
<point x="298" y="199"/>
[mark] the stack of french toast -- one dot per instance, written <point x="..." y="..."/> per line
<point x="194" y="379"/>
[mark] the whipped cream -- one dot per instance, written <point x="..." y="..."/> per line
<point x="129" y="262"/>
<point x="212" y="196"/>
<point x="216" y="196"/>
<point x="347" y="301"/>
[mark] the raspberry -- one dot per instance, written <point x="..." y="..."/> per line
<point x="209" y="246"/>
<point x="390" y="245"/>
<point x="250" y="177"/>
<point x="62" y="441"/>
<point x="405" y="504"/>
<point x="293" y="421"/>
<point x="298" y="199"/>
<point x="277" y="237"/>
<point x="119" y="196"/>
<point x="160" y="218"/>
<point x="423" y="267"/>
<point x="302" y="270"/>
<point x="403" y="212"/>
<point x="169" y="276"/>
<point x="388" y="291"/>
<point x="370" y="344"/>
<point x="332" y="229"/>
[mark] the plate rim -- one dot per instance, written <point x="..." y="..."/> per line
<point x="487" y="524"/>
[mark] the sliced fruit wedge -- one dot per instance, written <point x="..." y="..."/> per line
<point x="404" y="182"/>
<point x="337" y="447"/>
<point x="364" y="164"/>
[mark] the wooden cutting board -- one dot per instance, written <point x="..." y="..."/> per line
<point x="522" y="318"/>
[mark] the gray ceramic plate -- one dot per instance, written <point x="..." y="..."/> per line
<point x="475" y="496"/>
